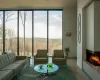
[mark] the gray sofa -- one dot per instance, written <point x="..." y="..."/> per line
<point x="11" y="65"/>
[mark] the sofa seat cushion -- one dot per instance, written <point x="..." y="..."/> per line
<point x="15" y="67"/>
<point x="59" y="58"/>
<point x="5" y="75"/>
<point x="41" y="58"/>
<point x="23" y="62"/>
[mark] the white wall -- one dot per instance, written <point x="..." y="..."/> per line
<point x="81" y="47"/>
<point x="70" y="24"/>
<point x="90" y="26"/>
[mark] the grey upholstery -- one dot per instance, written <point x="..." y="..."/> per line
<point x="59" y="57"/>
<point x="6" y="75"/>
<point x="41" y="54"/>
<point x="23" y="62"/>
<point x="41" y="57"/>
<point x="11" y="57"/>
<point x="10" y="65"/>
<point x="4" y="61"/>
<point x="15" y="67"/>
<point x="58" y="53"/>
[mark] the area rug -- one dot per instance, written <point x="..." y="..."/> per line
<point x="64" y="73"/>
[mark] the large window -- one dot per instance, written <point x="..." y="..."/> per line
<point x="11" y="31"/>
<point x="28" y="33"/>
<point x="22" y="20"/>
<point x="25" y="32"/>
<point x="40" y="30"/>
<point x="55" y="31"/>
<point x="1" y="32"/>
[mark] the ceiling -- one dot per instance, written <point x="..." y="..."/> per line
<point x="37" y="3"/>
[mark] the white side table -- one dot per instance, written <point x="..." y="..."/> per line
<point x="28" y="61"/>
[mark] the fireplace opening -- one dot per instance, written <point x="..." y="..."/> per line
<point x="93" y="57"/>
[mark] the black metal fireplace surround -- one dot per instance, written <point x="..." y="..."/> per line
<point x="93" y="57"/>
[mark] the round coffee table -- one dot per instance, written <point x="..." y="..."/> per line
<point x="46" y="70"/>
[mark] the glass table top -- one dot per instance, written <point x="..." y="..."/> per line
<point x="44" y="68"/>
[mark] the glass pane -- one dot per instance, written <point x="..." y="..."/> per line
<point x="28" y="34"/>
<point x="55" y="31"/>
<point x="1" y="32"/>
<point x="21" y="32"/>
<point x="40" y="30"/>
<point x="11" y="31"/>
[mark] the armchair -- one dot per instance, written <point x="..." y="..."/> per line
<point x="41" y="57"/>
<point x="59" y="57"/>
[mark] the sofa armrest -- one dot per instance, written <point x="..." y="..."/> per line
<point x="20" y="57"/>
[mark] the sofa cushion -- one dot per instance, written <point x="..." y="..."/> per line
<point x="20" y="61"/>
<point x="59" y="58"/>
<point x="23" y="62"/>
<point x="15" y="67"/>
<point x="4" y="61"/>
<point x="5" y="75"/>
<point x="0" y="62"/>
<point x="11" y="57"/>
<point x="41" y="53"/>
<point x="58" y="54"/>
<point x="41" y="58"/>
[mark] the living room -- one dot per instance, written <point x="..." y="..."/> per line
<point x="49" y="40"/>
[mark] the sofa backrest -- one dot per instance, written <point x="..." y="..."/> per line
<point x="41" y="54"/>
<point x="7" y="59"/>
<point x="11" y="57"/>
<point x="58" y="53"/>
<point x="0" y="62"/>
<point x="4" y="61"/>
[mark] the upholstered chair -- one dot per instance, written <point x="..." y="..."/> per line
<point x="41" y="57"/>
<point x="59" y="57"/>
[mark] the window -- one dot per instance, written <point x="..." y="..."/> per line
<point x="28" y="33"/>
<point x="22" y="19"/>
<point x="11" y="31"/>
<point x="40" y="30"/>
<point x="1" y="32"/>
<point x="55" y="30"/>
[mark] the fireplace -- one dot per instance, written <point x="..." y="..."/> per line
<point x="93" y="57"/>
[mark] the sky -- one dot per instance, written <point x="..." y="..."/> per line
<point x="40" y="24"/>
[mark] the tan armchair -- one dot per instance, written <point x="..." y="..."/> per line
<point x="41" y="57"/>
<point x="59" y="57"/>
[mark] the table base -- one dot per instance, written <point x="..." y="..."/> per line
<point x="47" y="75"/>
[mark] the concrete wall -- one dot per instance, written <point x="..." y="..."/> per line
<point x="93" y="26"/>
<point x="92" y="14"/>
<point x="70" y="25"/>
<point x="81" y="46"/>
<point x="90" y="40"/>
<point x="94" y="74"/>
<point x="89" y="14"/>
<point x="97" y="26"/>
